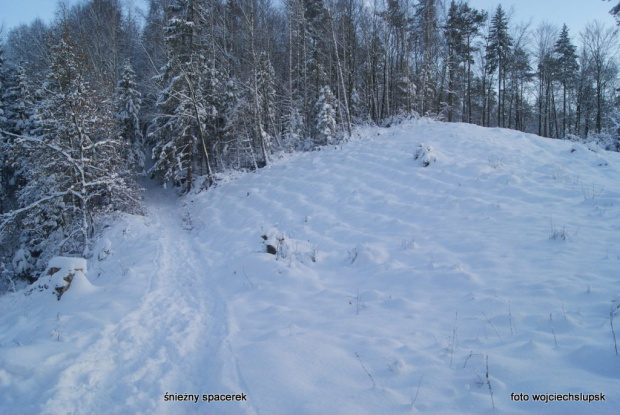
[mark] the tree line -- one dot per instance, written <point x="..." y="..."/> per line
<point x="194" y="88"/>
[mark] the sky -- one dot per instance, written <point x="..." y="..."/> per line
<point x="14" y="13"/>
<point x="575" y="13"/>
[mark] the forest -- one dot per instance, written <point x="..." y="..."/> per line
<point x="193" y="89"/>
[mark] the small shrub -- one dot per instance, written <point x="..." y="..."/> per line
<point x="425" y="155"/>
<point x="558" y="234"/>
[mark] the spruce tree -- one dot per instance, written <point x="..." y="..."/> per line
<point x="181" y="139"/>
<point x="128" y="101"/>
<point x="326" y="117"/>
<point x="20" y="104"/>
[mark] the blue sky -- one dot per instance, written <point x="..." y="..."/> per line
<point x="16" y="12"/>
<point x="575" y="13"/>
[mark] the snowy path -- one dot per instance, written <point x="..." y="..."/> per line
<point x="165" y="333"/>
<point x="170" y="339"/>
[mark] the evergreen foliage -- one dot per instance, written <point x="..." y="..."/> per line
<point x="72" y="168"/>
<point x="129" y="100"/>
<point x="326" y="117"/>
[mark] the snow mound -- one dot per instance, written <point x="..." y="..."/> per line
<point x="285" y="247"/>
<point x="67" y="264"/>
<point x="63" y="273"/>
<point x="425" y="155"/>
<point x="364" y="255"/>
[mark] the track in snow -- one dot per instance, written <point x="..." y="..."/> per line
<point x="172" y="341"/>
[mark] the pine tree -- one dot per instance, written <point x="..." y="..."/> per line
<point x="462" y="27"/>
<point x="400" y="90"/>
<point x="428" y="38"/>
<point x="497" y="54"/>
<point x="315" y="40"/>
<point x="520" y="74"/>
<point x="129" y="100"/>
<point x="567" y="68"/>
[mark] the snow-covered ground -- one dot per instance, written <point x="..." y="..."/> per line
<point x="444" y="284"/>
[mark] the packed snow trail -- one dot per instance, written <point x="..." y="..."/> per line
<point x="426" y="268"/>
<point x="168" y="342"/>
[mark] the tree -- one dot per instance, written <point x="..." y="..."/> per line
<point x="398" y="93"/>
<point x="128" y="101"/>
<point x="471" y="20"/>
<point x="28" y="46"/>
<point x="3" y="142"/>
<point x="74" y="171"/>
<point x="2" y="84"/>
<point x="100" y="32"/>
<point x="428" y="40"/>
<point x="462" y="27"/>
<point x="20" y="104"/>
<point x="566" y="70"/>
<point x="152" y="55"/>
<point x="520" y="75"/>
<point x="326" y="117"/>
<point x="180" y="137"/>
<point x="454" y="42"/>
<point x="498" y="51"/>
<point x="615" y="11"/>
<point x="546" y="35"/>
<point x="600" y="49"/>
<point x="264" y="101"/>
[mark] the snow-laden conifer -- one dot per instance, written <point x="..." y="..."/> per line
<point x="75" y="170"/>
<point x="129" y="100"/>
<point x="326" y="117"/>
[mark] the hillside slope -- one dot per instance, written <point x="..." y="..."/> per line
<point x="443" y="284"/>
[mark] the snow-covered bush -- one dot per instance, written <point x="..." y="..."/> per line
<point x="596" y="142"/>
<point x="282" y="246"/>
<point x="425" y="155"/>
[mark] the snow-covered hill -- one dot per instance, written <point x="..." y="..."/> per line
<point x="426" y="268"/>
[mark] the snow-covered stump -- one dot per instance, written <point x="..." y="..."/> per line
<point x="63" y="272"/>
